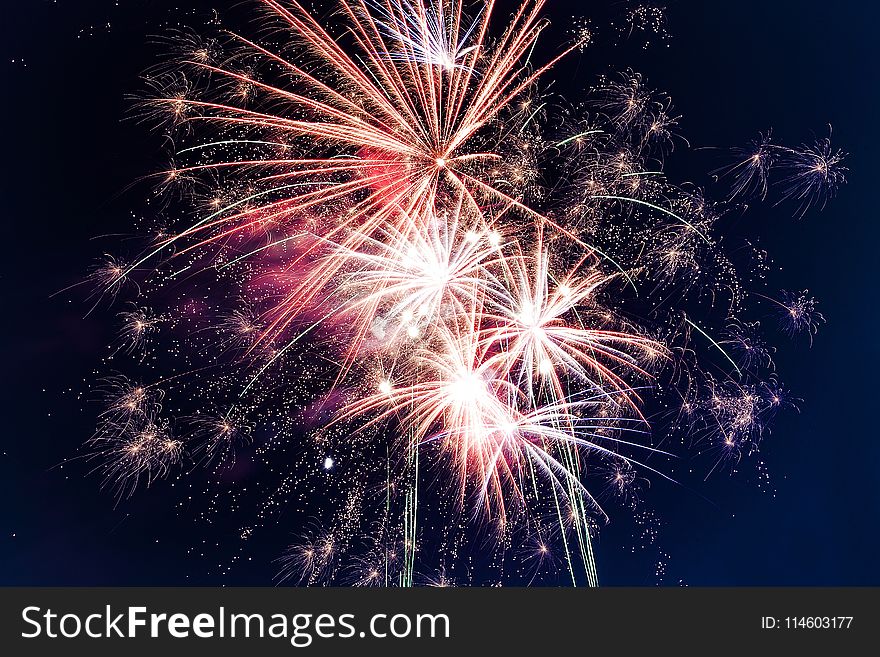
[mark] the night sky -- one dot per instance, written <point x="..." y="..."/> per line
<point x="733" y="69"/>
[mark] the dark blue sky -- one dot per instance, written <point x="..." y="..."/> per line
<point x="733" y="69"/>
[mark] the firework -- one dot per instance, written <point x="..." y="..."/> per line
<point x="812" y="173"/>
<point x="379" y="291"/>
<point x="137" y="325"/>
<point x="798" y="313"/>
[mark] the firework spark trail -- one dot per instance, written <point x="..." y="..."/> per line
<point x="387" y="176"/>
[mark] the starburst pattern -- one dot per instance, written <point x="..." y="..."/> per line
<point x="382" y="296"/>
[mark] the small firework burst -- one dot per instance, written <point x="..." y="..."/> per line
<point x="137" y="325"/>
<point x="647" y="23"/>
<point x="811" y="174"/>
<point x="751" y="173"/>
<point x="215" y="438"/>
<point x="140" y="454"/>
<point x="745" y="341"/>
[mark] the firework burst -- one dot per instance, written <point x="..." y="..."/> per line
<point x="388" y="287"/>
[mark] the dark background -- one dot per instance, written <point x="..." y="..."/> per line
<point x="732" y="68"/>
